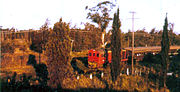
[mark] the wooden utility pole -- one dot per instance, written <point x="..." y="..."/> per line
<point x="132" y="64"/>
<point x="2" y="37"/>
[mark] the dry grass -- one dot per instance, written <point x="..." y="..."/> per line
<point x="83" y="82"/>
<point x="17" y="61"/>
<point x="8" y="71"/>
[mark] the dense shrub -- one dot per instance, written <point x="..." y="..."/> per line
<point x="8" y="46"/>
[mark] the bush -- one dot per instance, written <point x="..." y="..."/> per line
<point x="8" y="46"/>
<point x="130" y="83"/>
<point x="82" y="82"/>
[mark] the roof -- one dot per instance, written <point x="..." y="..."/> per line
<point x="150" y="49"/>
<point x="100" y="50"/>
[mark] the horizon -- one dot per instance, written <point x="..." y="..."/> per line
<point x="31" y="14"/>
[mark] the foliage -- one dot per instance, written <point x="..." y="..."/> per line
<point x="87" y="38"/>
<point x="40" y="38"/>
<point x="165" y="50"/>
<point x="153" y="38"/>
<point x="83" y="82"/>
<point x="152" y="64"/>
<point x="173" y="82"/>
<point x="123" y="82"/>
<point x="130" y="83"/>
<point x="116" y="46"/>
<point x="158" y="64"/>
<point x="22" y="83"/>
<point x="8" y="46"/>
<point x="151" y="60"/>
<point x="58" y="50"/>
<point x="40" y="69"/>
<point x="94" y="38"/>
<point x="129" y="61"/>
<point x="100" y="14"/>
<point x="175" y="64"/>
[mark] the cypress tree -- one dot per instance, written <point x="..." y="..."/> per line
<point x="116" y="46"/>
<point x="164" y="51"/>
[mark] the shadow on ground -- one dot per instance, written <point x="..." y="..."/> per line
<point x="83" y="60"/>
<point x="48" y="89"/>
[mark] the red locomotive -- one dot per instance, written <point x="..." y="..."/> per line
<point x="96" y="58"/>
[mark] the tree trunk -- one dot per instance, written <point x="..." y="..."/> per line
<point x="39" y="58"/>
<point x="165" y="74"/>
<point x="102" y="38"/>
<point x="102" y="35"/>
<point x="99" y="24"/>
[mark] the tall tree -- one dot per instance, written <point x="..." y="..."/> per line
<point x="116" y="46"/>
<point x="100" y="15"/>
<point x="40" y="39"/>
<point x="44" y="32"/>
<point x="58" y="50"/>
<point x="164" y="51"/>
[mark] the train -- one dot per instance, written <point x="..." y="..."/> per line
<point x="97" y="58"/>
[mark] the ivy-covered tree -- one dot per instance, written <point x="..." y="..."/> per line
<point x="58" y="50"/>
<point x="116" y="46"/>
<point x="164" y="51"/>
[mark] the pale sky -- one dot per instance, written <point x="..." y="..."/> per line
<point x="31" y="14"/>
